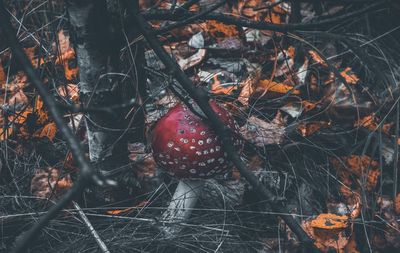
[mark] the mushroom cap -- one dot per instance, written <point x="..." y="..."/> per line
<point x="186" y="147"/>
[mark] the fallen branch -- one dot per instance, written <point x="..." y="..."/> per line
<point x="96" y="236"/>
<point x="245" y="22"/>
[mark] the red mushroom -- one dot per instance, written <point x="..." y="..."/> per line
<point x="187" y="148"/>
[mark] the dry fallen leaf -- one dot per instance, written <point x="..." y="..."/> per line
<point x="309" y="128"/>
<point x="70" y="91"/>
<point x="397" y="204"/>
<point x="48" y="183"/>
<point x="317" y="58"/>
<point x="330" y="221"/>
<point x="248" y="87"/>
<point x="220" y="31"/>
<point x="16" y="82"/>
<point x="122" y="211"/>
<point x="3" y="76"/>
<point x="67" y="56"/>
<point x="218" y="86"/>
<point x="329" y="231"/>
<point x="48" y="131"/>
<point x="19" y="99"/>
<point x="360" y="168"/>
<point x="350" y="77"/>
<point x="261" y="133"/>
<point x="266" y="86"/>
<point x="387" y="212"/>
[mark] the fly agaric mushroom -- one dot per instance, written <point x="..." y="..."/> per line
<point x="187" y="148"/>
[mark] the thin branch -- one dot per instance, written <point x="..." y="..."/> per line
<point x="96" y="236"/>
<point x="261" y="25"/>
<point x="200" y="96"/>
<point x="198" y="16"/>
<point x="81" y="108"/>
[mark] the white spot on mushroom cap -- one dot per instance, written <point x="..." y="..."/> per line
<point x="209" y="140"/>
<point x="170" y="144"/>
<point x="193" y="171"/>
<point x="200" y="142"/>
<point x="184" y="140"/>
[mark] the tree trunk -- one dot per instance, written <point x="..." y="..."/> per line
<point x="97" y="30"/>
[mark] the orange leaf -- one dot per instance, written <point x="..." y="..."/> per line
<point x="48" y="131"/>
<point x="71" y="91"/>
<point x="397" y="204"/>
<point x="64" y="183"/>
<point x="246" y="92"/>
<point x="4" y="134"/>
<point x="64" y="59"/>
<point x="350" y="77"/>
<point x="330" y="221"/>
<point x="360" y="167"/>
<point x="308" y="106"/>
<point x="120" y="211"/>
<point x="329" y="231"/>
<point x="317" y="58"/>
<point x="268" y="85"/>
<point x="30" y="52"/>
<point x="219" y="30"/>
<point x="2" y="75"/>
<point x="217" y="88"/>
<point x="368" y="122"/>
<point x="309" y="128"/>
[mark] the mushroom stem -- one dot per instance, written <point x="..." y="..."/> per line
<point x="183" y="201"/>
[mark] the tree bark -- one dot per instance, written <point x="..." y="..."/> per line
<point x="97" y="33"/>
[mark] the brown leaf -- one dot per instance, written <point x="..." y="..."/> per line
<point x="248" y="87"/>
<point x="330" y="221"/>
<point x="309" y="128"/>
<point x="19" y="98"/>
<point x="329" y="231"/>
<point x="397" y="204"/>
<point x="70" y="91"/>
<point x="262" y="133"/>
<point x="218" y="88"/>
<point x="48" y="131"/>
<point x="3" y="76"/>
<point x="48" y="181"/>
<point x="271" y="86"/>
<point x="350" y="77"/>
<point x="220" y="31"/>
<point x="17" y="82"/>
<point x="317" y="58"/>
<point x="361" y="170"/>
<point x="387" y="211"/>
